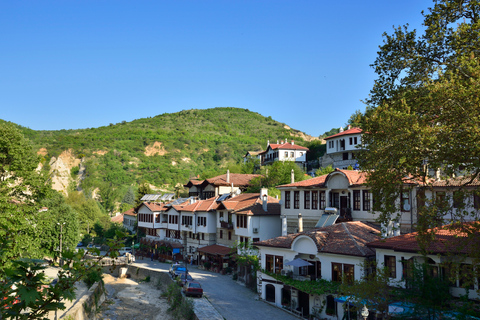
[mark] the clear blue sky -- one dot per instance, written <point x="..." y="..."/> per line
<point x="86" y="64"/>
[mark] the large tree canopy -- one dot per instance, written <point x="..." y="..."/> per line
<point x="423" y="113"/>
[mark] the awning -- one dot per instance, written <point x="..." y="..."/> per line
<point x="298" y="263"/>
<point x="216" y="249"/>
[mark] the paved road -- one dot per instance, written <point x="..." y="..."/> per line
<point x="232" y="300"/>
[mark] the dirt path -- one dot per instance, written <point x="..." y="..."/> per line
<point x="131" y="300"/>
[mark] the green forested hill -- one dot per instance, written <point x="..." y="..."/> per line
<point x="191" y="143"/>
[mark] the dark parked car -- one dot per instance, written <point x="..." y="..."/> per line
<point x="181" y="278"/>
<point x="193" y="288"/>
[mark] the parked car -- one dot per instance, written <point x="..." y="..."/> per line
<point x="183" y="277"/>
<point x="193" y="288"/>
<point x="175" y="269"/>
<point x="124" y="250"/>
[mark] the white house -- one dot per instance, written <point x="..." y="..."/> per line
<point x="341" y="148"/>
<point x="450" y="256"/>
<point x="284" y="151"/>
<point x="130" y="219"/>
<point x="327" y="253"/>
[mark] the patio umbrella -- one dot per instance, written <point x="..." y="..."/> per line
<point x="298" y="263"/>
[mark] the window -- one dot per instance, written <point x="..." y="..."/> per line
<point x="286" y="154"/>
<point x="241" y="221"/>
<point x="351" y="140"/>
<point x="273" y="263"/>
<point x="292" y="154"/>
<point x="476" y="200"/>
<point x="221" y="234"/>
<point x="296" y="199"/>
<point x="458" y="199"/>
<point x="391" y="263"/>
<point x="287" y="199"/>
<point x="345" y="156"/>
<point x="356" y="200"/>
<point x="314" y="200"/>
<point x="306" y="199"/>
<point x="229" y="235"/>
<point x="339" y="269"/>
<point x="173" y="219"/>
<point x="404" y="200"/>
<point x="202" y="221"/>
<point x="466" y="278"/>
<point x="355" y="140"/>
<point x="366" y="200"/>
<point x="322" y="200"/>
<point x="187" y="220"/>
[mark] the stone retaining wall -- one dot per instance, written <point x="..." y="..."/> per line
<point x="86" y="306"/>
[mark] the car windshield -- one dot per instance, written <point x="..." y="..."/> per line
<point x="194" y="285"/>
<point x="181" y="269"/>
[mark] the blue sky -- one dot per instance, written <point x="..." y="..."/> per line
<point x="86" y="64"/>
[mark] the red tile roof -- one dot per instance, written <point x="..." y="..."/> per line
<point x="131" y="212"/>
<point x="238" y="179"/>
<point x="251" y="204"/>
<point x="117" y="218"/>
<point x="447" y="239"/>
<point x="355" y="178"/>
<point x="216" y="249"/>
<point x="347" y="238"/>
<point x="200" y="205"/>
<point x="285" y="146"/>
<point x="346" y="132"/>
<point x="155" y="206"/>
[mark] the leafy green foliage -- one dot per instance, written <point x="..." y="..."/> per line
<point x="423" y="111"/>
<point x="324" y="170"/>
<point x="278" y="173"/>
<point x="193" y="143"/>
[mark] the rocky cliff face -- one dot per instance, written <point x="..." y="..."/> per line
<point x="60" y="170"/>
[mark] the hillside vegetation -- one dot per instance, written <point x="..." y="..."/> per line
<point x="163" y="150"/>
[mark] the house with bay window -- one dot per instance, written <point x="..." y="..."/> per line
<point x="342" y="193"/>
<point x="333" y="253"/>
<point x="216" y="186"/>
<point x="341" y="148"/>
<point x="451" y="255"/>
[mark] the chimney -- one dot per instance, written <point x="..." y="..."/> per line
<point x="293" y="142"/>
<point x="284" y="225"/>
<point x="268" y="143"/>
<point x="292" y="177"/>
<point x="277" y="141"/>
<point x="349" y="127"/>
<point x="286" y="141"/>
<point x="232" y="189"/>
<point x="282" y="141"/>
<point x="341" y="129"/>
<point x="264" y="198"/>
<point x="228" y="176"/>
<point x="396" y="229"/>
<point x="300" y="223"/>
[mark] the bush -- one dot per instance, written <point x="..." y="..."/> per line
<point x="207" y="265"/>
<point x="92" y="276"/>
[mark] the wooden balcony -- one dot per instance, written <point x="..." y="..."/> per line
<point x="226" y="225"/>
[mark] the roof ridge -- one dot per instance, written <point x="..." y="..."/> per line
<point x="353" y="239"/>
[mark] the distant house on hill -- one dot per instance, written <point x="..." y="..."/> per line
<point x="280" y="151"/>
<point x="226" y="183"/>
<point x="130" y="219"/>
<point x="341" y="148"/>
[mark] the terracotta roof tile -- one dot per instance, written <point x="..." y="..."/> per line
<point x="117" y="218"/>
<point x="346" y="132"/>
<point x="131" y="212"/>
<point x="284" y="146"/>
<point x="155" y="206"/>
<point x="238" y="179"/>
<point x="216" y="249"/>
<point x="201" y="205"/>
<point x="347" y="238"/>
<point x="447" y="239"/>
<point x="355" y="178"/>
<point x="251" y="204"/>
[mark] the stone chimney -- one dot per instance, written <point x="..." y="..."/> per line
<point x="292" y="177"/>
<point x="300" y="223"/>
<point x="284" y="225"/>
<point x="264" y="198"/>
<point x="228" y="176"/>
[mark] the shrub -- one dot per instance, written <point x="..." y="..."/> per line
<point x="92" y="276"/>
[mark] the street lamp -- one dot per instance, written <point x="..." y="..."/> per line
<point x="61" y="233"/>
<point x="364" y="312"/>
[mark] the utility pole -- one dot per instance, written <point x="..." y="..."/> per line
<point x="61" y="233"/>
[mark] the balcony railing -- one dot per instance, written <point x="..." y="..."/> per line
<point x="226" y="225"/>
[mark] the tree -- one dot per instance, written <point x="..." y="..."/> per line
<point x="324" y="170"/>
<point x="129" y="196"/>
<point x="423" y="110"/>
<point x="143" y="189"/>
<point x="21" y="188"/>
<point x="277" y="173"/>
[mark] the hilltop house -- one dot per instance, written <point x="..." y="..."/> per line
<point x="284" y="151"/>
<point x="226" y="183"/>
<point x="341" y="148"/>
<point x="326" y="253"/>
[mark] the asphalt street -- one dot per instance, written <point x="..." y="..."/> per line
<point x="231" y="299"/>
